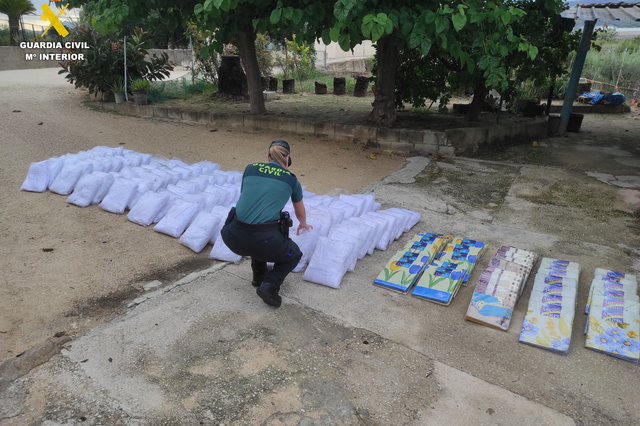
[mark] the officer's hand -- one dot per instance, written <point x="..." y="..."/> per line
<point x="305" y="226"/>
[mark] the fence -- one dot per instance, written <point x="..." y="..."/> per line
<point x="628" y="92"/>
<point x="28" y="32"/>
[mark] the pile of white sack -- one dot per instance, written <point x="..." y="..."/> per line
<point x="191" y="202"/>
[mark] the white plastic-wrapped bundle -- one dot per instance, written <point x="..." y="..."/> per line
<point x="199" y="233"/>
<point x="211" y="200"/>
<point x="132" y="160"/>
<point x="208" y="167"/>
<point x="340" y="233"/>
<point x="178" y="218"/>
<point x="196" y="198"/>
<point x="55" y="166"/>
<point x="234" y="177"/>
<point x="191" y="187"/>
<point x="106" y="184"/>
<point x="220" y="251"/>
<point x="306" y="241"/>
<point x="235" y="193"/>
<point x="116" y="164"/>
<point x="37" y="177"/>
<point x="144" y="186"/>
<point x="196" y="170"/>
<point x="226" y="194"/>
<point x="377" y="229"/>
<point x="85" y="190"/>
<point x="369" y="200"/>
<point x="365" y="231"/>
<point x="202" y="181"/>
<point x="358" y="202"/>
<point x="388" y="224"/>
<point x="185" y="173"/>
<point x="148" y="207"/>
<point x="221" y="177"/>
<point x="321" y="218"/>
<point x="66" y="180"/>
<point x="126" y="173"/>
<point x="165" y="209"/>
<point x="119" y="195"/>
<point x="178" y="190"/>
<point x="328" y="264"/>
<point x="414" y="217"/>
<point x="376" y="206"/>
<point x="401" y="219"/>
<point x="349" y="209"/>
<point x="96" y="165"/>
<point x="222" y="213"/>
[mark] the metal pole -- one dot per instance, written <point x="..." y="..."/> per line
<point x="581" y="55"/>
<point x="549" y="99"/>
<point x="191" y="50"/>
<point x="126" y="97"/>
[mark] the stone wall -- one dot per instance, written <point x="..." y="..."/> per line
<point x="424" y="142"/>
<point x="14" y="58"/>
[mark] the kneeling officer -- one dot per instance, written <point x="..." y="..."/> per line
<point x="258" y="228"/>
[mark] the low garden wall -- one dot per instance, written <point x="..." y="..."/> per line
<point x="449" y="143"/>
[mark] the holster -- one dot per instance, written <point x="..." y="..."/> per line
<point x="285" y="223"/>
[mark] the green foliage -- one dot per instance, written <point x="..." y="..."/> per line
<point x="616" y="63"/>
<point x="14" y="9"/>
<point x="140" y="84"/>
<point x="296" y="59"/>
<point x="118" y="85"/>
<point x="421" y="78"/>
<point x="265" y="58"/>
<point x="162" y="91"/>
<point x="5" y="38"/>
<point x="104" y="61"/>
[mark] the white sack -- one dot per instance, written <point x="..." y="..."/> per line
<point x="328" y="263"/>
<point x="119" y="195"/>
<point x="144" y="186"/>
<point x="369" y="200"/>
<point x="413" y="217"/>
<point x="147" y="208"/>
<point x="387" y="223"/>
<point x="66" y="180"/>
<point x="358" y="202"/>
<point x="339" y="234"/>
<point x="165" y="208"/>
<point x="349" y="209"/>
<point x="178" y="218"/>
<point x="37" y="177"/>
<point x="306" y="241"/>
<point x="85" y="190"/>
<point x="400" y="220"/>
<point x="220" y="251"/>
<point x="191" y="187"/>
<point x="55" y="166"/>
<point x="107" y="181"/>
<point x="222" y="213"/>
<point x="199" y="233"/>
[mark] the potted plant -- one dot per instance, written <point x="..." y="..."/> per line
<point x="118" y="90"/>
<point x="140" y="88"/>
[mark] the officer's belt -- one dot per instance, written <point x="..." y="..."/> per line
<point x="257" y="226"/>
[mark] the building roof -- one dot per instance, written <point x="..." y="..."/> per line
<point x="604" y="12"/>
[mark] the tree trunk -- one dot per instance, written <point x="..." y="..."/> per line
<point x="245" y="41"/>
<point x="479" y="93"/>
<point x="384" y="104"/>
<point x="14" y="30"/>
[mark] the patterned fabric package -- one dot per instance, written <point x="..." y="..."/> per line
<point x="440" y="282"/>
<point x="613" y="327"/>
<point x="464" y="252"/>
<point x="405" y="266"/>
<point x="494" y="298"/>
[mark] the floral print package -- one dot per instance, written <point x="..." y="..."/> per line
<point x="464" y="252"/>
<point x="407" y="264"/>
<point x="549" y="319"/>
<point x="440" y="282"/>
<point x="613" y="327"/>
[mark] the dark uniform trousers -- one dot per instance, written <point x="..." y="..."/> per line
<point x="263" y="246"/>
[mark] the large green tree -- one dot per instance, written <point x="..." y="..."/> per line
<point x="14" y="9"/>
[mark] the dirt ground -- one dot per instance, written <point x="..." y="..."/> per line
<point x="93" y="259"/>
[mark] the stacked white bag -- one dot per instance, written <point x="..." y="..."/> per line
<point x="191" y="202"/>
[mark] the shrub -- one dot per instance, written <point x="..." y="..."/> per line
<point x="298" y="58"/>
<point x="104" y="62"/>
<point x="141" y="84"/>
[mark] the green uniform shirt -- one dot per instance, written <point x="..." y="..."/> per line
<point x="266" y="188"/>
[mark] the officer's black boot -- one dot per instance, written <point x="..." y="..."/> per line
<point x="268" y="292"/>
<point x="259" y="272"/>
